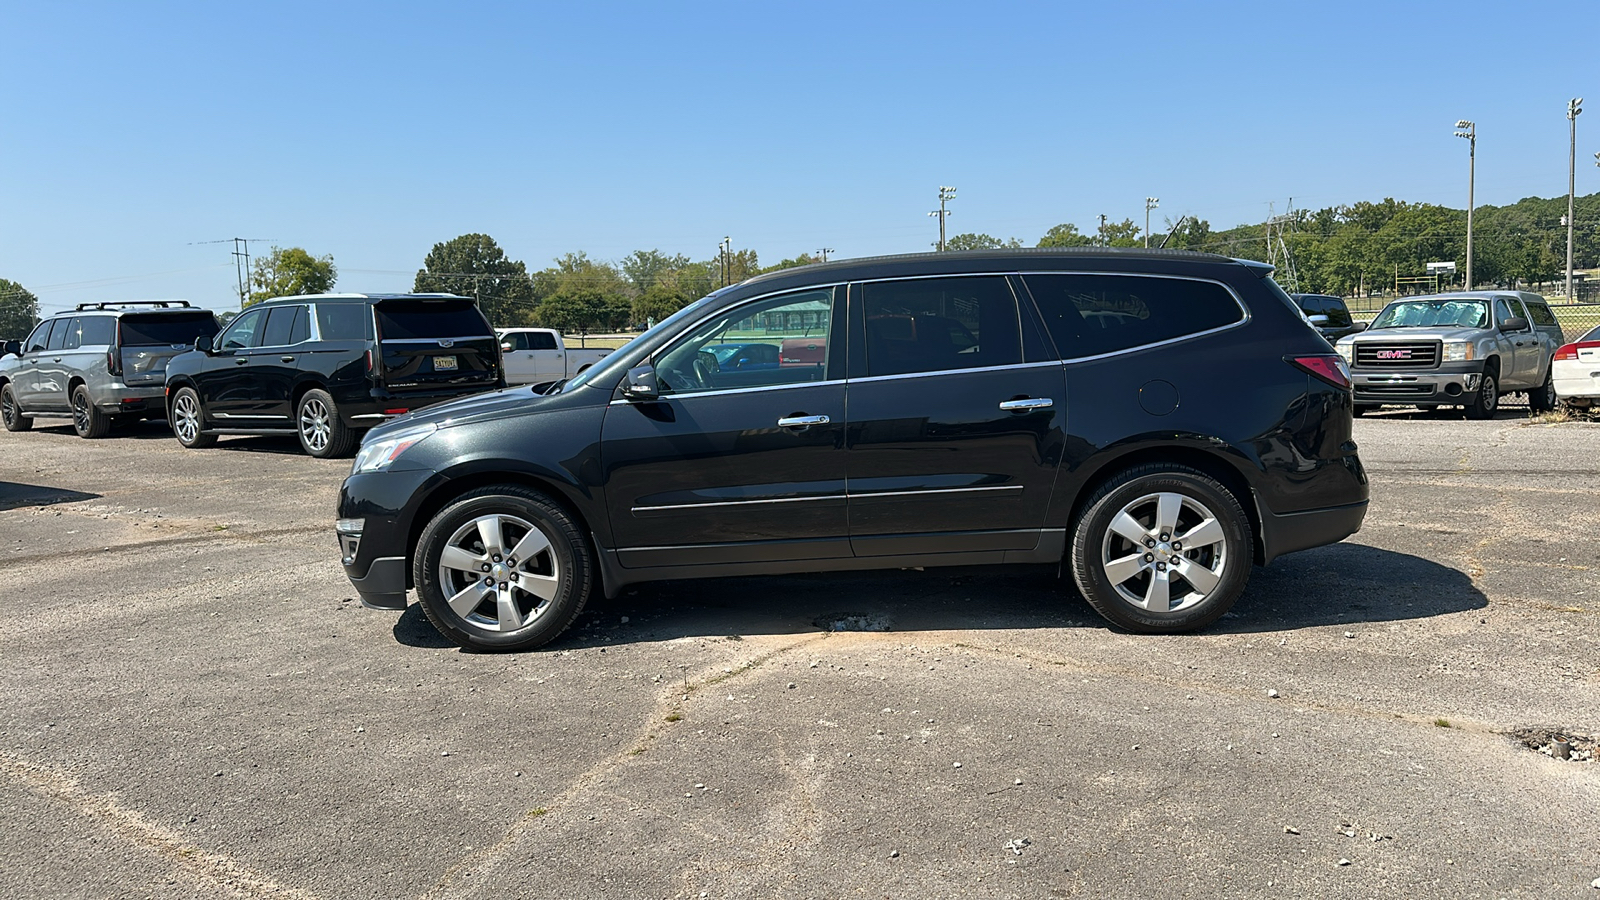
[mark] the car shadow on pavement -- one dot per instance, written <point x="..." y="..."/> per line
<point x="14" y="495"/>
<point x="1328" y="586"/>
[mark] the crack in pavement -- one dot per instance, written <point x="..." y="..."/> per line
<point x="221" y="872"/>
<point x="493" y="857"/>
<point x="223" y="535"/>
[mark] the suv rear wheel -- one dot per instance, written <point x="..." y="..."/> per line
<point x="502" y="568"/>
<point x="1162" y="548"/>
<point x="189" y="420"/>
<point x="322" y="433"/>
<point x="88" y="421"/>
<point x="10" y="413"/>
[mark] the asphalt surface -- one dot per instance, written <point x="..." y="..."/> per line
<point x="195" y="706"/>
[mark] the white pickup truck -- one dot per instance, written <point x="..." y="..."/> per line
<point x="538" y="355"/>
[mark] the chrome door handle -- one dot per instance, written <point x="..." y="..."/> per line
<point x="1028" y="403"/>
<point x="57" y="359"/>
<point x="286" y="358"/>
<point x="240" y="361"/>
<point x="802" y="421"/>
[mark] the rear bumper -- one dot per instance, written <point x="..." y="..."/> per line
<point x="381" y="404"/>
<point x="123" y="399"/>
<point x="1289" y="532"/>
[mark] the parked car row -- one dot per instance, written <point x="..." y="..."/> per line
<point x="324" y="367"/>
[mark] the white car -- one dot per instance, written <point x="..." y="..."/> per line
<point x="1575" y="371"/>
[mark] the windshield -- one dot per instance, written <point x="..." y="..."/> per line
<point x="1434" y="314"/>
<point x="614" y="361"/>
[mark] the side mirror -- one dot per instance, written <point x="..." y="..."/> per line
<point x="1319" y="319"/>
<point x="505" y="345"/>
<point x="11" y="348"/>
<point x="203" y="344"/>
<point x="641" y="383"/>
<point x="1360" y="326"/>
<point x="1515" y="323"/>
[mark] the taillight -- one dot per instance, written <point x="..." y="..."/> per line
<point x="1570" y="351"/>
<point x="368" y="358"/>
<point x="1330" y="367"/>
<point x="113" y="361"/>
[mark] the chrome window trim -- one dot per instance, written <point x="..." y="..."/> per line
<point x="470" y="337"/>
<point x="689" y="395"/>
<point x="1239" y="301"/>
<point x="1054" y="363"/>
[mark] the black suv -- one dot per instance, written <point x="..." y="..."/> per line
<point x="1059" y="406"/>
<point x="326" y="365"/>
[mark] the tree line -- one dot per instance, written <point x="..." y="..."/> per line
<point x="1344" y="250"/>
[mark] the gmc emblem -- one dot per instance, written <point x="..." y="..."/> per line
<point x="1394" y="354"/>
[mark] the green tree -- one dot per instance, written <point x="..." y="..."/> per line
<point x="286" y="272"/>
<point x="1065" y="235"/>
<point x="804" y="259"/>
<point x="473" y="265"/>
<point x="19" y="311"/>
<point x="644" y="267"/>
<point x="1189" y="234"/>
<point x="971" y="241"/>
<point x="1121" y="234"/>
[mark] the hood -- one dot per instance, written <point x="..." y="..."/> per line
<point x="462" y="410"/>
<point x="1442" y="333"/>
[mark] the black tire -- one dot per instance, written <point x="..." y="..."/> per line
<point x="88" y="421"/>
<point x="11" y="412"/>
<point x="563" y="562"/>
<point x="1543" y="399"/>
<point x="1224" y="562"/>
<point x="188" y="419"/>
<point x="322" y="433"/>
<point x="1362" y="409"/>
<point x="1486" y="399"/>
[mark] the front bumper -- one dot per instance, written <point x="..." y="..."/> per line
<point x="1449" y="383"/>
<point x="375" y="512"/>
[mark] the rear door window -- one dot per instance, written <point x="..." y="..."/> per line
<point x="280" y="325"/>
<point x="403" y="320"/>
<point x="1089" y="315"/>
<point x="73" y="338"/>
<point x="940" y="324"/>
<point x="150" y="330"/>
<point x="58" y="334"/>
<point x="541" y="340"/>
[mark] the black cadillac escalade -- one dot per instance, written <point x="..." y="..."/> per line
<point x="326" y="366"/>
<point x="1159" y="421"/>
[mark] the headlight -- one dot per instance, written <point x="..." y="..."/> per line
<point x="1457" y="351"/>
<point x="380" y="453"/>
<point x="1347" y="349"/>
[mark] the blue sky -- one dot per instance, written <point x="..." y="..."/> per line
<point x="371" y="131"/>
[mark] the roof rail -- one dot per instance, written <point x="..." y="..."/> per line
<point x="118" y="304"/>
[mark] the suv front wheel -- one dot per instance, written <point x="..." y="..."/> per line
<point x="189" y="420"/>
<point x="1162" y="548"/>
<point x="11" y="413"/>
<point x="502" y="568"/>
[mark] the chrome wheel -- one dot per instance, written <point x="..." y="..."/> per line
<point x="499" y="573"/>
<point x="1489" y="395"/>
<point x="315" y="429"/>
<point x="186" y="417"/>
<point x="1164" y="552"/>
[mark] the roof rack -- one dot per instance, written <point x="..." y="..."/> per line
<point x="118" y="304"/>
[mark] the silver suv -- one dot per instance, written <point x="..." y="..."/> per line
<point x="99" y="364"/>
<point x="1462" y="349"/>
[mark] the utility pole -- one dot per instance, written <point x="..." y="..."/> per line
<point x="1469" y="130"/>
<point x="1574" y="108"/>
<point x="946" y="194"/>
<point x="725" y="259"/>
<point x="1102" y="229"/>
<point x="824" y="253"/>
<point x="1149" y="204"/>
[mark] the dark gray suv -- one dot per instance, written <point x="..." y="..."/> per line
<point x="99" y="364"/>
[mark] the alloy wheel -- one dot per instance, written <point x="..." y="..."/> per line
<point x="499" y="573"/>
<point x="1164" y="552"/>
<point x="186" y="413"/>
<point x="314" y="424"/>
<point x="80" y="412"/>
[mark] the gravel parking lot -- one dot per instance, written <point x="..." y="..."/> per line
<point x="195" y="706"/>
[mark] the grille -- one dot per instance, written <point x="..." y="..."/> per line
<point x="1397" y="355"/>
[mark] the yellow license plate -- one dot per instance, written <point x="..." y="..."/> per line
<point x="444" y="364"/>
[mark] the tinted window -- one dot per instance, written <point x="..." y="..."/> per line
<point x="300" y="331"/>
<point x="344" y="321"/>
<point x="148" y="330"/>
<point x="400" y="320"/>
<point x="244" y="332"/>
<point x="58" y="335"/>
<point x="1506" y="309"/>
<point x="73" y="339"/>
<point x="1310" y="304"/>
<point x="1593" y="335"/>
<point x="280" y="325"/>
<point x="793" y="328"/>
<point x="98" y="330"/>
<point x="1541" y="314"/>
<point x="40" y="337"/>
<point x="937" y="324"/>
<point x="541" y="340"/>
<point x="1093" y="314"/>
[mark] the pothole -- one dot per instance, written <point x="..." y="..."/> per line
<point x="851" y="622"/>
<point x="1557" y="743"/>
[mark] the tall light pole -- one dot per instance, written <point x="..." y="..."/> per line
<point x="1574" y="107"/>
<point x="946" y="194"/>
<point x="1469" y="130"/>
<point x="1149" y="204"/>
